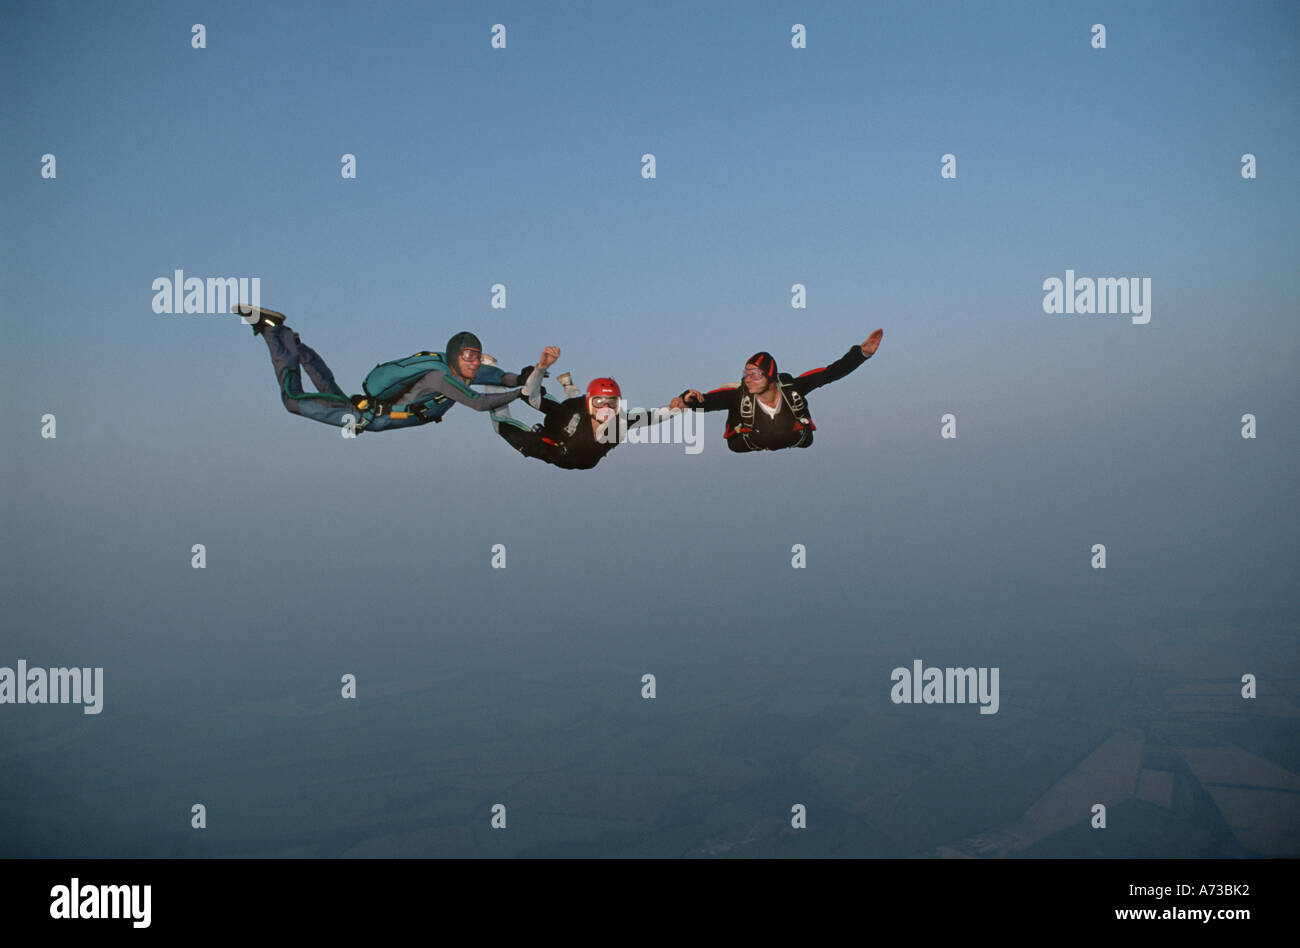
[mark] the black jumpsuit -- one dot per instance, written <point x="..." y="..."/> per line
<point x="783" y="431"/>
<point x="565" y="438"/>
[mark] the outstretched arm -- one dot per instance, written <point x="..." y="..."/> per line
<point x="438" y="382"/>
<point x="716" y="400"/>
<point x="490" y="374"/>
<point x="640" y="417"/>
<point x="533" y="385"/>
<point x="816" y="378"/>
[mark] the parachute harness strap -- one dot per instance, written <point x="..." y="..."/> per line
<point x="793" y="400"/>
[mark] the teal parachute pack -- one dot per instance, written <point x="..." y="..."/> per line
<point x="388" y="380"/>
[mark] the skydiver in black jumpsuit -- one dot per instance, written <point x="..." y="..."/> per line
<point x="767" y="411"/>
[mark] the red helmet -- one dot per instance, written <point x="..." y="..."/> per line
<point x="603" y="387"/>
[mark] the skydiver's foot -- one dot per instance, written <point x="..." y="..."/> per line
<point x="269" y="317"/>
<point x="570" y="389"/>
<point x="485" y="359"/>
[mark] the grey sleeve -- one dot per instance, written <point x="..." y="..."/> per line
<point x="437" y="383"/>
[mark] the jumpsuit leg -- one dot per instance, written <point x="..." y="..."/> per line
<point x="527" y="441"/>
<point x="330" y="405"/>
<point x="500" y="416"/>
<point x="320" y="373"/>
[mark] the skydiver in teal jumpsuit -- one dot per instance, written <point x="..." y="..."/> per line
<point x="431" y="395"/>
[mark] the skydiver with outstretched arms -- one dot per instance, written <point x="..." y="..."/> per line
<point x="418" y="390"/>
<point x="768" y="411"/>
<point x="576" y="433"/>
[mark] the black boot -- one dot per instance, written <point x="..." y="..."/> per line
<point x="269" y="317"/>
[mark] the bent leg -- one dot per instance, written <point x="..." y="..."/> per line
<point x="329" y="406"/>
<point x="320" y="373"/>
<point x="526" y="441"/>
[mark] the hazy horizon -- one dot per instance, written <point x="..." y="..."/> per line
<point x="522" y="686"/>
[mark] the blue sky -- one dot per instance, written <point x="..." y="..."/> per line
<point x="521" y="166"/>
